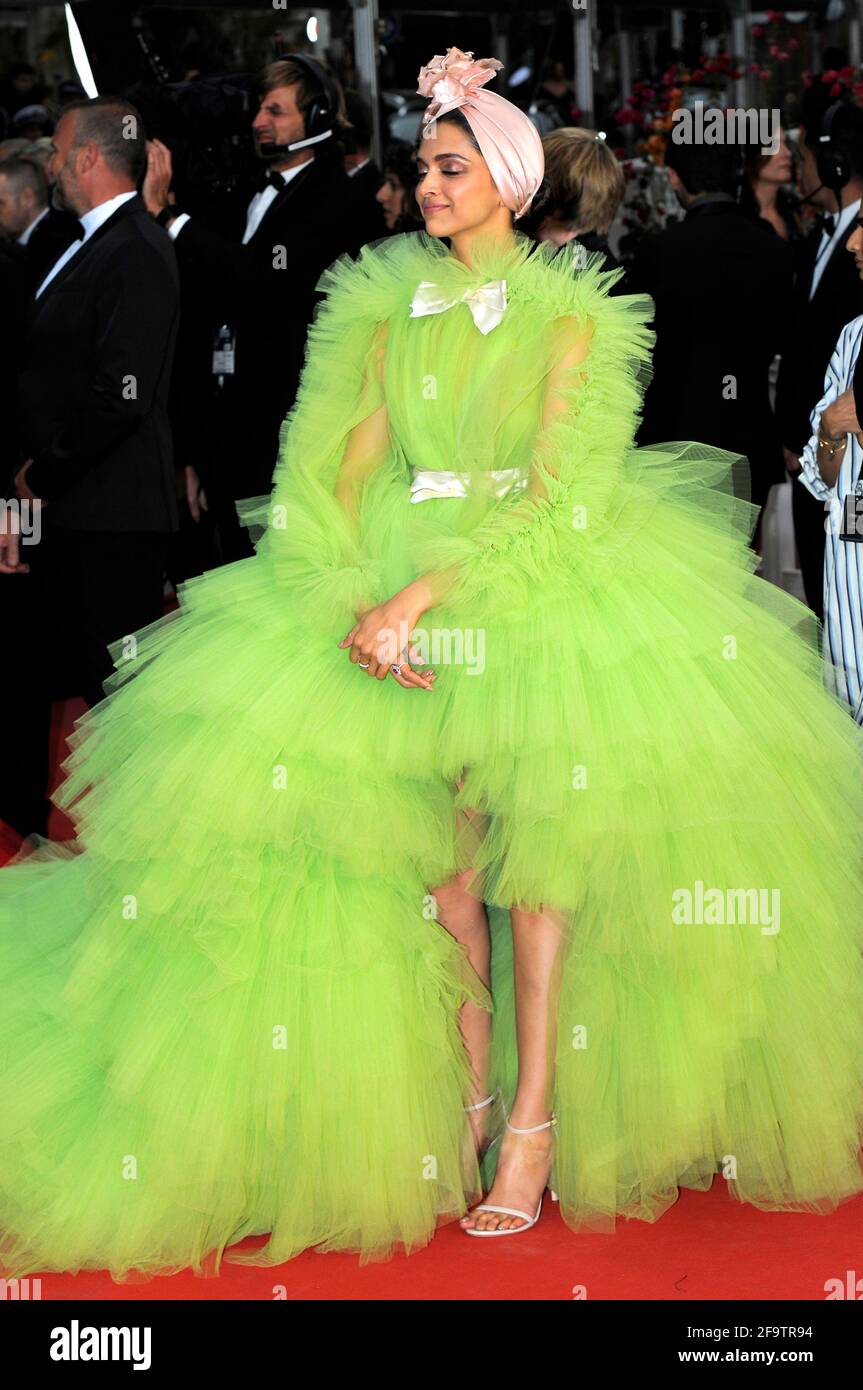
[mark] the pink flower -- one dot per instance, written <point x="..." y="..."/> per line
<point x="836" y="89"/>
<point x="450" y="78"/>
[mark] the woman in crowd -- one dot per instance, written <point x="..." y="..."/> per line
<point x="585" y="186"/>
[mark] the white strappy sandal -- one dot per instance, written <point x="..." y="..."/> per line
<point x="483" y="1105"/>
<point x="513" y="1211"/>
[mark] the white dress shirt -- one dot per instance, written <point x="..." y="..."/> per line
<point x="842" y="639"/>
<point x="257" y="207"/>
<point x="28" y="231"/>
<point x="91" y="222"/>
<point x="830" y="240"/>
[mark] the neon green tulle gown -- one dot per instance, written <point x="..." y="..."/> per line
<point x="229" y="1008"/>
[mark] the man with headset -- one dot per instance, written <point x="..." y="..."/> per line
<point x="827" y="294"/>
<point x="255" y="291"/>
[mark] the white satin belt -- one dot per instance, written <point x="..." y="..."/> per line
<point x="487" y="304"/>
<point x="437" y="482"/>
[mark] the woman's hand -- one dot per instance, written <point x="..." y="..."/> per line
<point x="840" y="417"/>
<point x="381" y="637"/>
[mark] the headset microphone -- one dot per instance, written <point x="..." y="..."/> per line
<point x="270" y="151"/>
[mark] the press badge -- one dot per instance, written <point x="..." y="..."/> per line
<point x="852" y="515"/>
<point x="224" y="352"/>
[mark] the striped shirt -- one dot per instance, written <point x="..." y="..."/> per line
<point x="843" y="560"/>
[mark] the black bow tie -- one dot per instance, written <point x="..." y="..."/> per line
<point x="266" y="178"/>
<point x="826" y="222"/>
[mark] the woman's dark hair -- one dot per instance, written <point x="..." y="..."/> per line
<point x="399" y="160"/>
<point x="463" y="124"/>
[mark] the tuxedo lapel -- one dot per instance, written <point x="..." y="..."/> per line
<point x="300" y="181"/>
<point x="80" y="257"/>
<point x="836" y="268"/>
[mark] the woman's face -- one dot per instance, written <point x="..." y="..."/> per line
<point x="391" y="196"/>
<point x="454" y="191"/>
<point x="777" y="168"/>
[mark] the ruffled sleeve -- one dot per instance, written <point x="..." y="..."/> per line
<point x="333" y="441"/>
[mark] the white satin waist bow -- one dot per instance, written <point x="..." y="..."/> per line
<point x="487" y="303"/>
<point x="437" y="482"/>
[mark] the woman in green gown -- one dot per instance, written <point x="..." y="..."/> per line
<point x="253" y="998"/>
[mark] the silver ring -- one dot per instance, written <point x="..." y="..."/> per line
<point x="396" y="670"/>
<point x="365" y="664"/>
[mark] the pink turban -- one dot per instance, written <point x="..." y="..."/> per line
<point x="507" y="138"/>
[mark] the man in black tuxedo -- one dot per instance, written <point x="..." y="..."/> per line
<point x="28" y="218"/>
<point x="721" y="284"/>
<point x="260" y="281"/>
<point x="827" y="295"/>
<point x="358" y="161"/>
<point x="97" y="467"/>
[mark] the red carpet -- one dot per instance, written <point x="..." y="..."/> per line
<point x="706" y="1247"/>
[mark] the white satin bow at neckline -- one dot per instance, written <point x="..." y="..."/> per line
<point x="487" y="303"/>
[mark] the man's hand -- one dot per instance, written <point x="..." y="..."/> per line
<point x="195" y="494"/>
<point x="157" y="180"/>
<point x="10" y="542"/>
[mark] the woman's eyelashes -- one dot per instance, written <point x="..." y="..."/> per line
<point x="447" y="173"/>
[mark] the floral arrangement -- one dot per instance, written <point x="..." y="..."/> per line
<point x="650" y="106"/>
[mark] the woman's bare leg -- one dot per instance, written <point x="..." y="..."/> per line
<point x="464" y="916"/>
<point x="524" y="1164"/>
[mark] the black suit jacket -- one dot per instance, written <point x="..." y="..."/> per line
<point x="265" y="291"/>
<point x="815" y="328"/>
<point x="722" y="287"/>
<point x="47" y="242"/>
<point x="368" y="178"/>
<point x="93" y="390"/>
<point x="13" y="317"/>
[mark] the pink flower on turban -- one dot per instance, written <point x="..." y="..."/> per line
<point x="508" y="140"/>
<point x="450" y="77"/>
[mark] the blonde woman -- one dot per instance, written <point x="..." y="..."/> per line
<point x="585" y="186"/>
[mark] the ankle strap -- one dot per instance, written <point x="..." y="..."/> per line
<point x="481" y="1104"/>
<point x="532" y="1129"/>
